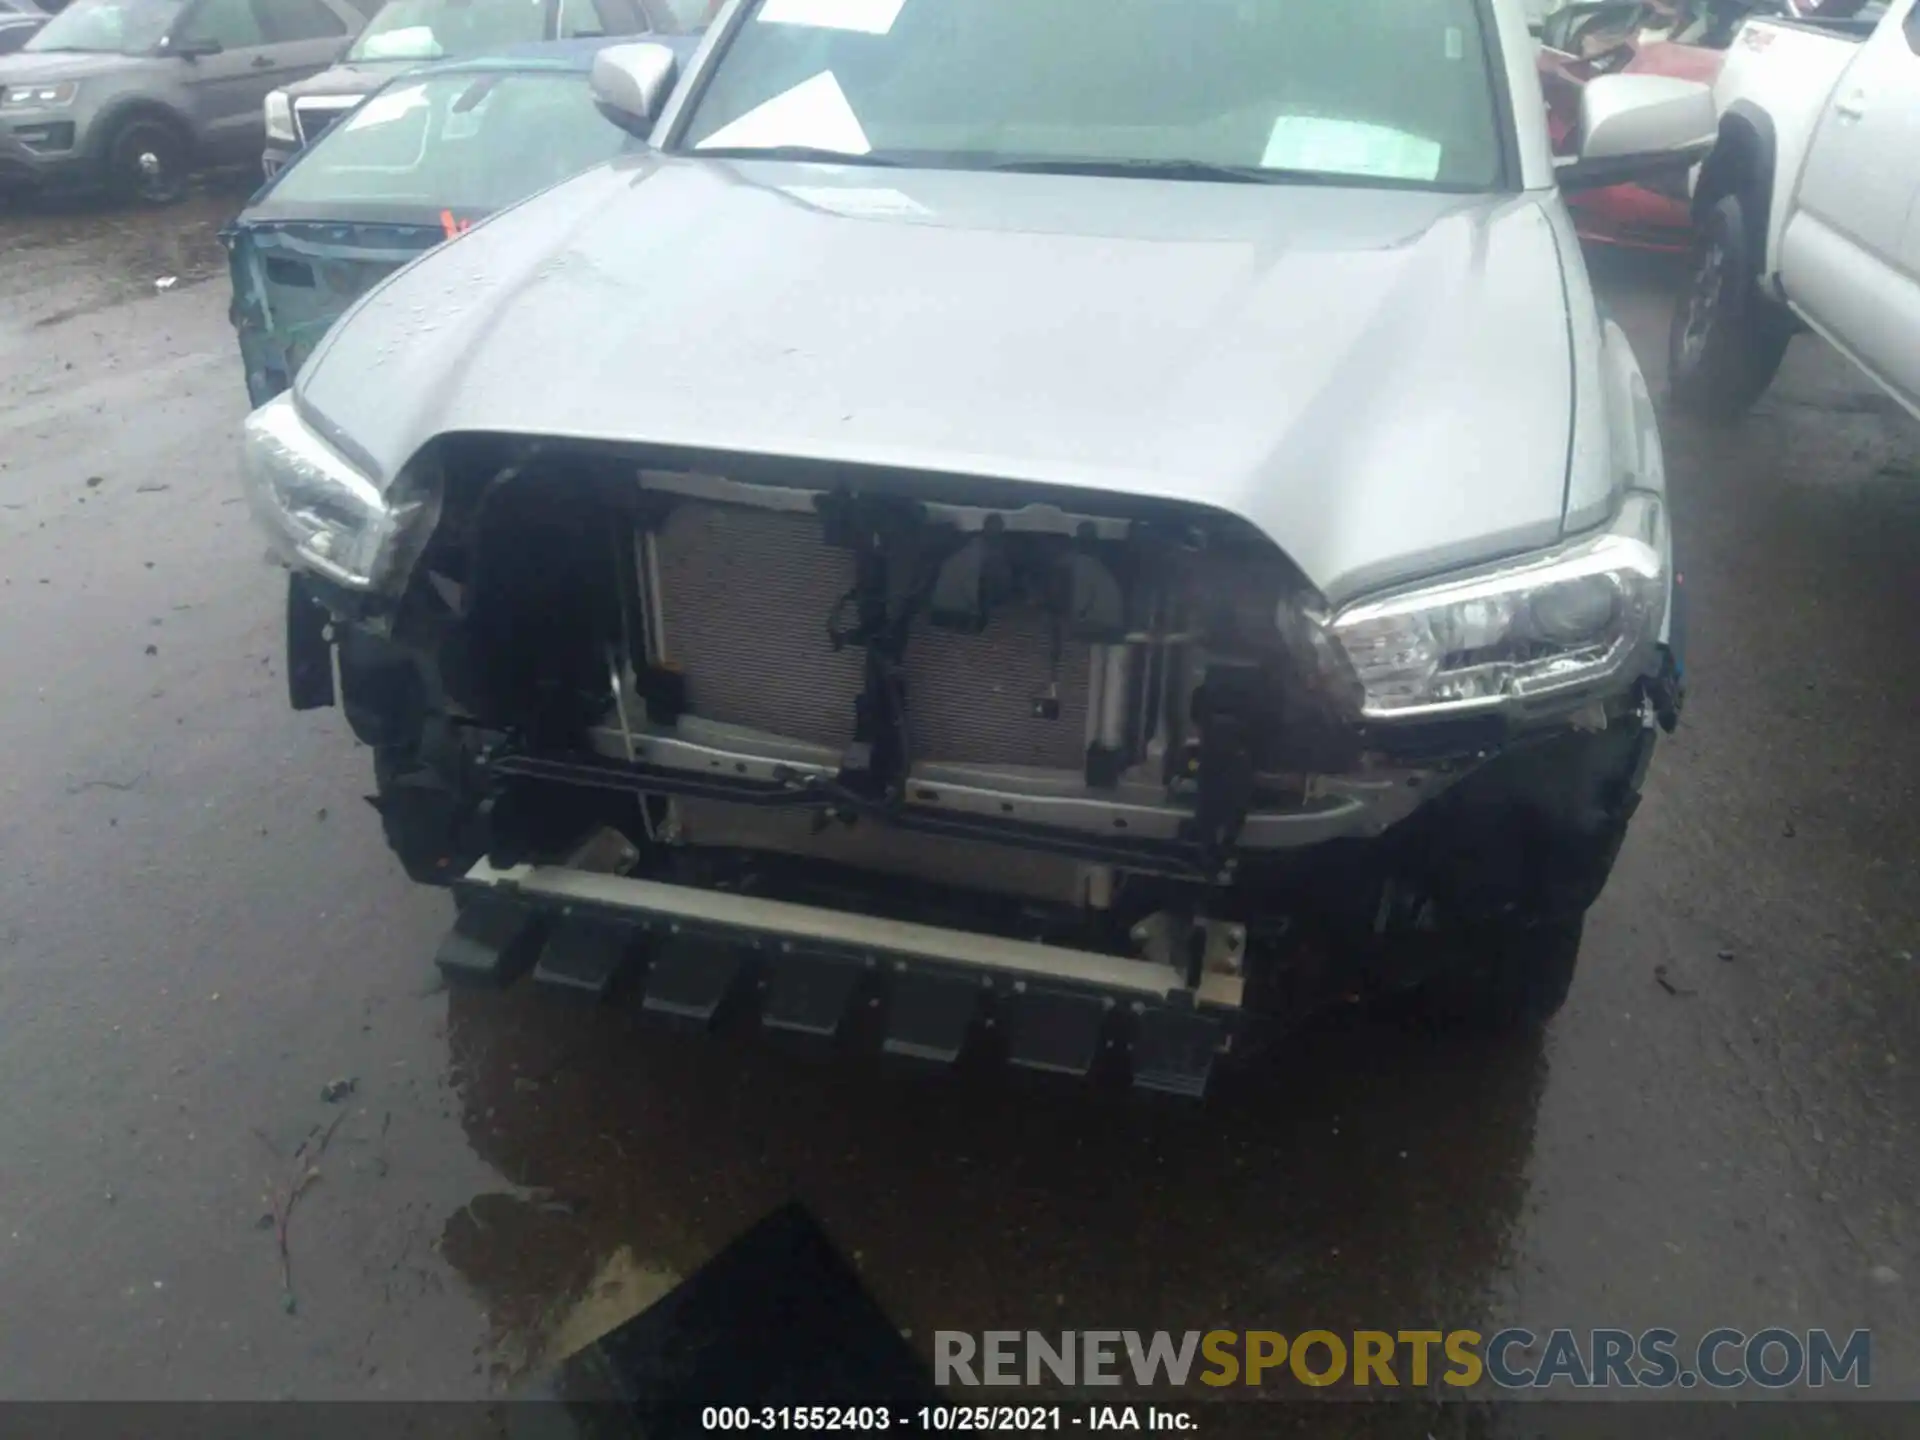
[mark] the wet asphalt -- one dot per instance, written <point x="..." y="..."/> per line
<point x="200" y="929"/>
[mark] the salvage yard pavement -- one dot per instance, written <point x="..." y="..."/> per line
<point x="200" y="930"/>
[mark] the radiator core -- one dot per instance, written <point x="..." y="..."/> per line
<point x="745" y="600"/>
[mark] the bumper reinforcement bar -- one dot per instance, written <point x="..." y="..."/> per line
<point x="1055" y="1008"/>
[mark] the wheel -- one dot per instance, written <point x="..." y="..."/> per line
<point x="147" y="160"/>
<point x="1727" y="339"/>
<point x="1507" y="977"/>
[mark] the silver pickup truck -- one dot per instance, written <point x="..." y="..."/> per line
<point x="1808" y="210"/>
<point x="1073" y="547"/>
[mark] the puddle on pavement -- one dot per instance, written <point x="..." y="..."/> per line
<point x="1368" y="1171"/>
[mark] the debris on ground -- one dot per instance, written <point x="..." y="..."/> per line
<point x="94" y="481"/>
<point x="281" y="1199"/>
<point x="1787" y="829"/>
<point x="1724" y="954"/>
<point x="166" y="282"/>
<point x="1660" y="979"/>
<point x="153" y="649"/>
<point x="151" y="487"/>
<point x="1884" y="1275"/>
<point x="122" y="785"/>
<point x="334" y="1091"/>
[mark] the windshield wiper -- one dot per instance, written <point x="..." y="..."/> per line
<point x="1170" y="170"/>
<point x="788" y="152"/>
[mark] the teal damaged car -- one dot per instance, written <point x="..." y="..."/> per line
<point x="416" y="163"/>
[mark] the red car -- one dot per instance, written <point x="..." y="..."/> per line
<point x="1687" y="39"/>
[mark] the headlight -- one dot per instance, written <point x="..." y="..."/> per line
<point x="1571" y="619"/>
<point x="61" y="94"/>
<point x="280" y="117"/>
<point x="323" y="513"/>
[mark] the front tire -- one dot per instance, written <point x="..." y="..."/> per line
<point x="148" y="161"/>
<point x="1727" y="338"/>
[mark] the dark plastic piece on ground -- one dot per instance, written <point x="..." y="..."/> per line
<point x="584" y="956"/>
<point x="809" y="994"/>
<point x="1054" y="1030"/>
<point x="928" y="1016"/>
<point x="776" y="1319"/>
<point x="493" y="942"/>
<point x="1174" y="1051"/>
<point x="690" y="980"/>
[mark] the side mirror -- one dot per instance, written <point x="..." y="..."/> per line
<point x="1634" y="126"/>
<point x="192" y="49"/>
<point x="631" y="84"/>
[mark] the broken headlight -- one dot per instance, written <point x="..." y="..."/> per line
<point x="324" y="513"/>
<point x="1570" y="619"/>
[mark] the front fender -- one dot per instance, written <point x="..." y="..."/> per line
<point x="1742" y="163"/>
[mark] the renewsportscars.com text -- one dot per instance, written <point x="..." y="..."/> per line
<point x="1514" y="1359"/>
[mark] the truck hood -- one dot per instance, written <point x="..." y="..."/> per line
<point x="359" y="77"/>
<point x="1379" y="380"/>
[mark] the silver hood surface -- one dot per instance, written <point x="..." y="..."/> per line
<point x="1379" y="380"/>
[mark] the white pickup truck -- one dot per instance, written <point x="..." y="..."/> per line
<point x="1807" y="212"/>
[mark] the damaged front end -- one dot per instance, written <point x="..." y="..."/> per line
<point x="1062" y="773"/>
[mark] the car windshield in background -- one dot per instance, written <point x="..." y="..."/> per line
<point x="108" y="27"/>
<point x="437" y="29"/>
<point x="1356" y="91"/>
<point x="469" y="143"/>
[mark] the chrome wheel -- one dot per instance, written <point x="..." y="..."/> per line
<point x="1703" y="302"/>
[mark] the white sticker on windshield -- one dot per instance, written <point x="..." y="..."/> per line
<point x="1350" y="147"/>
<point x="870" y="17"/>
<point x="814" y="113"/>
<point x="385" y="109"/>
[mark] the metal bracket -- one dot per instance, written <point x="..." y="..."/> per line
<point x="492" y="943"/>
<point x="809" y="994"/>
<point x="1166" y="939"/>
<point x="1174" y="1051"/>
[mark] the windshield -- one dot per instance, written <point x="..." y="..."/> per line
<point x="1374" y="91"/>
<point x="108" y="27"/>
<point x="467" y="144"/>
<point x="433" y="29"/>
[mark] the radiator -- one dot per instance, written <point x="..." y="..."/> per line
<point x="745" y="599"/>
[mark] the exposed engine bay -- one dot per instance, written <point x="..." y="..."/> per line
<point x="1074" y="744"/>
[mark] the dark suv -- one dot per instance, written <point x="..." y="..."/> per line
<point x="404" y="34"/>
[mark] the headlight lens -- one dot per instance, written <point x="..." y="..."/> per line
<point x="61" y="94"/>
<point x="279" y="116"/>
<point x="1571" y="619"/>
<point x="323" y="513"/>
